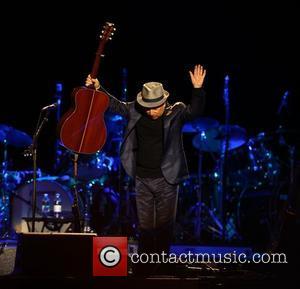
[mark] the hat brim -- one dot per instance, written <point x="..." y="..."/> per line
<point x="143" y="103"/>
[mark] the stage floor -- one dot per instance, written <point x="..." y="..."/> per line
<point x="238" y="280"/>
<point x="205" y="276"/>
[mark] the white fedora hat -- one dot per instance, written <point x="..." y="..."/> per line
<point x="152" y="95"/>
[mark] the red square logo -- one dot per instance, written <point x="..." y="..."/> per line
<point x="109" y="256"/>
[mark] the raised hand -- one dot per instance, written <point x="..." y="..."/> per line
<point x="197" y="76"/>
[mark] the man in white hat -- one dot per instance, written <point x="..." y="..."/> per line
<point x="152" y="154"/>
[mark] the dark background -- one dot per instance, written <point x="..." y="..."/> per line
<point x="255" y="45"/>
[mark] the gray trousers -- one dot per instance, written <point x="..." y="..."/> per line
<point x="156" y="202"/>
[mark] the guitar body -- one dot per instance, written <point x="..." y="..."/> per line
<point x="83" y="129"/>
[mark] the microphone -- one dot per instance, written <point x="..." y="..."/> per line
<point x="49" y="107"/>
<point x="283" y="102"/>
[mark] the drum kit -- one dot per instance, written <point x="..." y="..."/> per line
<point x="219" y="203"/>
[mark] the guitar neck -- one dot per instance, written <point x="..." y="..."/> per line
<point x="107" y="32"/>
<point x="96" y="65"/>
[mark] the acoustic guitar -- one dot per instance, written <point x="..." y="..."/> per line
<point x="82" y="129"/>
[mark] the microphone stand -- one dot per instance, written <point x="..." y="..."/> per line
<point x="33" y="151"/>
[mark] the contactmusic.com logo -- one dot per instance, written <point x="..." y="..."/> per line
<point x="109" y="256"/>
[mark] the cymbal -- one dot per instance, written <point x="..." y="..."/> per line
<point x="200" y="124"/>
<point x="213" y="140"/>
<point x="2" y="136"/>
<point x="290" y="135"/>
<point x="14" y="137"/>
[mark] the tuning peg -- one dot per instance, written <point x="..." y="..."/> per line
<point x="110" y="38"/>
<point x="28" y="152"/>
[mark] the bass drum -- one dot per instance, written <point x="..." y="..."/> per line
<point x="259" y="217"/>
<point x="22" y="202"/>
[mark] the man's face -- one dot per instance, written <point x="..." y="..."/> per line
<point x="156" y="112"/>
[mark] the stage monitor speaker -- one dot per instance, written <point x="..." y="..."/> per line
<point x="55" y="254"/>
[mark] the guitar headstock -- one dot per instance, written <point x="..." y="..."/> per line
<point x="106" y="34"/>
<point x="107" y="31"/>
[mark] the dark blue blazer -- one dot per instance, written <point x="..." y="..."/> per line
<point x="174" y="166"/>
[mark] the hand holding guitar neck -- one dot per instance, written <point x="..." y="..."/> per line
<point x="92" y="82"/>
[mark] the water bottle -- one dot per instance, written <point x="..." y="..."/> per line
<point x="86" y="225"/>
<point x="45" y="204"/>
<point x="57" y="205"/>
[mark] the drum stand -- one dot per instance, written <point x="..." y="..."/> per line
<point x="4" y="202"/>
<point x="292" y="193"/>
<point x="75" y="206"/>
<point x="212" y="222"/>
<point x="224" y="155"/>
<point x="198" y="225"/>
<point x="222" y="193"/>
